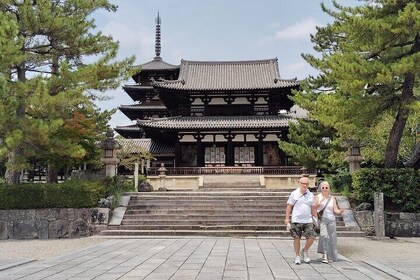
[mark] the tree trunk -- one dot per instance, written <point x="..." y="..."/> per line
<point x="52" y="173"/>
<point x="15" y="155"/>
<point x="391" y="152"/>
<point x="12" y="174"/>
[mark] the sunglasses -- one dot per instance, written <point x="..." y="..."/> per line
<point x="324" y="188"/>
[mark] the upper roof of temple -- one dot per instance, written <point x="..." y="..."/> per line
<point x="228" y="75"/>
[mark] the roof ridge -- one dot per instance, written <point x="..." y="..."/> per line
<point x="251" y="61"/>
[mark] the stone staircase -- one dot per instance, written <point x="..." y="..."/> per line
<point x="231" y="209"/>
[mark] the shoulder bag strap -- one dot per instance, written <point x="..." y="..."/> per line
<point x="328" y="201"/>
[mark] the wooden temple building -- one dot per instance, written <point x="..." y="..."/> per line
<point x="209" y="113"/>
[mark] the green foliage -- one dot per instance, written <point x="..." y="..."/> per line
<point x="117" y="186"/>
<point x="70" y="194"/>
<point x="53" y="66"/>
<point x="367" y="89"/>
<point x="400" y="187"/>
<point x="340" y="182"/>
<point x="129" y="158"/>
<point x="310" y="144"/>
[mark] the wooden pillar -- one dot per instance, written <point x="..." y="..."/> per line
<point x="178" y="151"/>
<point x="200" y="150"/>
<point x="230" y="157"/>
<point x="259" y="157"/>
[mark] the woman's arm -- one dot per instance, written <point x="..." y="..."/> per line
<point x="337" y="210"/>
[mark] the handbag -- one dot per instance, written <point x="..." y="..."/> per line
<point x="321" y="212"/>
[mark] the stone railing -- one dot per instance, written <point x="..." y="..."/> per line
<point x="278" y="170"/>
<point x="52" y="223"/>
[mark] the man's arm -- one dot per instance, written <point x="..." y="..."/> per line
<point x="288" y="211"/>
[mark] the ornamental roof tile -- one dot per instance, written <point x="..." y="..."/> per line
<point x="228" y="75"/>
<point x="158" y="64"/>
<point x="146" y="144"/>
<point x="218" y="122"/>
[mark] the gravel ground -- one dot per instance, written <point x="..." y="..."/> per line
<point x="43" y="249"/>
<point x="354" y="248"/>
<point x="386" y="250"/>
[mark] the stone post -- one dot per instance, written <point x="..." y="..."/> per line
<point x="136" y="175"/>
<point x="379" y="215"/>
<point x="162" y="175"/>
<point x="354" y="159"/>
<point x="110" y="145"/>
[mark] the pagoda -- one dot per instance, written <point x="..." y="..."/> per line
<point x="210" y="113"/>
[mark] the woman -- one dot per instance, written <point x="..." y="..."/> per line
<point x="327" y="244"/>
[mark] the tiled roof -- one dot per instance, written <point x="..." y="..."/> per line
<point x="158" y="64"/>
<point x="218" y="122"/>
<point x="145" y="144"/>
<point x="136" y="107"/>
<point x="133" y="127"/>
<point x="228" y="75"/>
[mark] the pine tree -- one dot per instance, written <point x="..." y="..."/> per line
<point x="50" y="78"/>
<point x="369" y="70"/>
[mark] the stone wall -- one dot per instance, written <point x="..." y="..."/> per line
<point x="400" y="224"/>
<point x="51" y="223"/>
<point x="175" y="182"/>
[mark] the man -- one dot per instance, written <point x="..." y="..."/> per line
<point x="301" y="201"/>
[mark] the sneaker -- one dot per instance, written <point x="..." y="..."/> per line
<point x="324" y="258"/>
<point x="304" y="256"/>
<point x="297" y="260"/>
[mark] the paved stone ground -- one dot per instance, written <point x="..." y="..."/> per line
<point x="204" y="258"/>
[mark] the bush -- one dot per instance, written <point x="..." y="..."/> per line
<point x="69" y="194"/>
<point x="117" y="186"/>
<point x="399" y="186"/>
<point x="340" y="182"/>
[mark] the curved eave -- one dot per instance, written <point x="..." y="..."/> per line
<point x="129" y="131"/>
<point x="147" y="145"/>
<point x="134" y="112"/>
<point x="180" y="85"/>
<point x="218" y="123"/>
<point x="137" y="92"/>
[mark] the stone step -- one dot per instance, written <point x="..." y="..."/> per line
<point x="247" y="185"/>
<point x="237" y="189"/>
<point x="216" y="211"/>
<point x="196" y="226"/>
<point x="216" y="233"/>
<point x="252" y="204"/>
<point x="266" y="221"/>
<point x="208" y="208"/>
<point x="213" y="197"/>
<point x="207" y="193"/>
<point x="281" y="201"/>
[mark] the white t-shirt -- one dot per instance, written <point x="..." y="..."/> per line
<point x="301" y="206"/>
<point x="328" y="210"/>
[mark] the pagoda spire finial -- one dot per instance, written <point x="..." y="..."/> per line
<point x="157" y="42"/>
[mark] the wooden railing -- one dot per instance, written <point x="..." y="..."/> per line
<point x="278" y="170"/>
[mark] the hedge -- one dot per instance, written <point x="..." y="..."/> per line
<point x="401" y="187"/>
<point x="70" y="194"/>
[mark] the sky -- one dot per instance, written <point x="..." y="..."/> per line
<point x="213" y="30"/>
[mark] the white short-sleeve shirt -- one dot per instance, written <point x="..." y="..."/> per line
<point x="302" y="204"/>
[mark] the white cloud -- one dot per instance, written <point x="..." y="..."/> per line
<point x="299" y="30"/>
<point x="135" y="40"/>
<point x="300" y="69"/>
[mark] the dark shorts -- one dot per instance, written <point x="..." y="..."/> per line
<point x="298" y="229"/>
